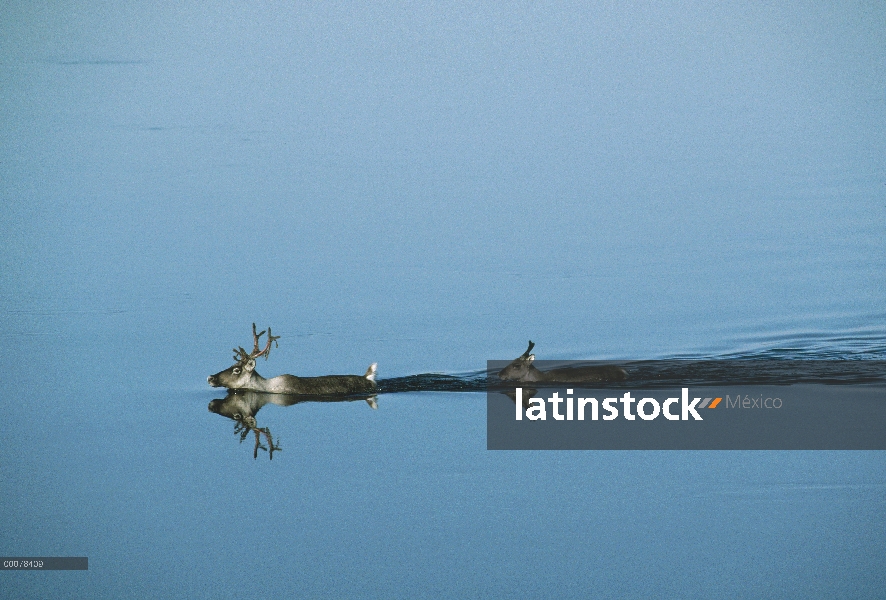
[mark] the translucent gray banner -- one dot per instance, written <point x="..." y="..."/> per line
<point x="689" y="405"/>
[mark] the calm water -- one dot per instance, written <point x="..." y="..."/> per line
<point x="428" y="188"/>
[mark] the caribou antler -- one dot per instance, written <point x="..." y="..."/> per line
<point x="241" y="356"/>
<point x="258" y="444"/>
<point x="244" y="425"/>
<point x="528" y="350"/>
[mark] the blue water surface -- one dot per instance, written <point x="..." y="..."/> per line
<point x="428" y="187"/>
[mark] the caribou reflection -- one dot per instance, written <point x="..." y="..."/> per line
<point x="241" y="406"/>
<point x="527" y="394"/>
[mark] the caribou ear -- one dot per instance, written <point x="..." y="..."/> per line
<point x="531" y="357"/>
<point x="250" y="365"/>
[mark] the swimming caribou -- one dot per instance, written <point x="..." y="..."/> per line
<point x="243" y="376"/>
<point x="522" y="370"/>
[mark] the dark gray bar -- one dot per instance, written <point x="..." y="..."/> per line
<point x="825" y="405"/>
<point x="796" y="417"/>
<point x="44" y="563"/>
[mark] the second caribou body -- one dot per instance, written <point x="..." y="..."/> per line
<point x="243" y="376"/>
<point x="522" y="370"/>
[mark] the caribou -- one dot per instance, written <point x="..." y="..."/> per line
<point x="522" y="370"/>
<point x="243" y="376"/>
